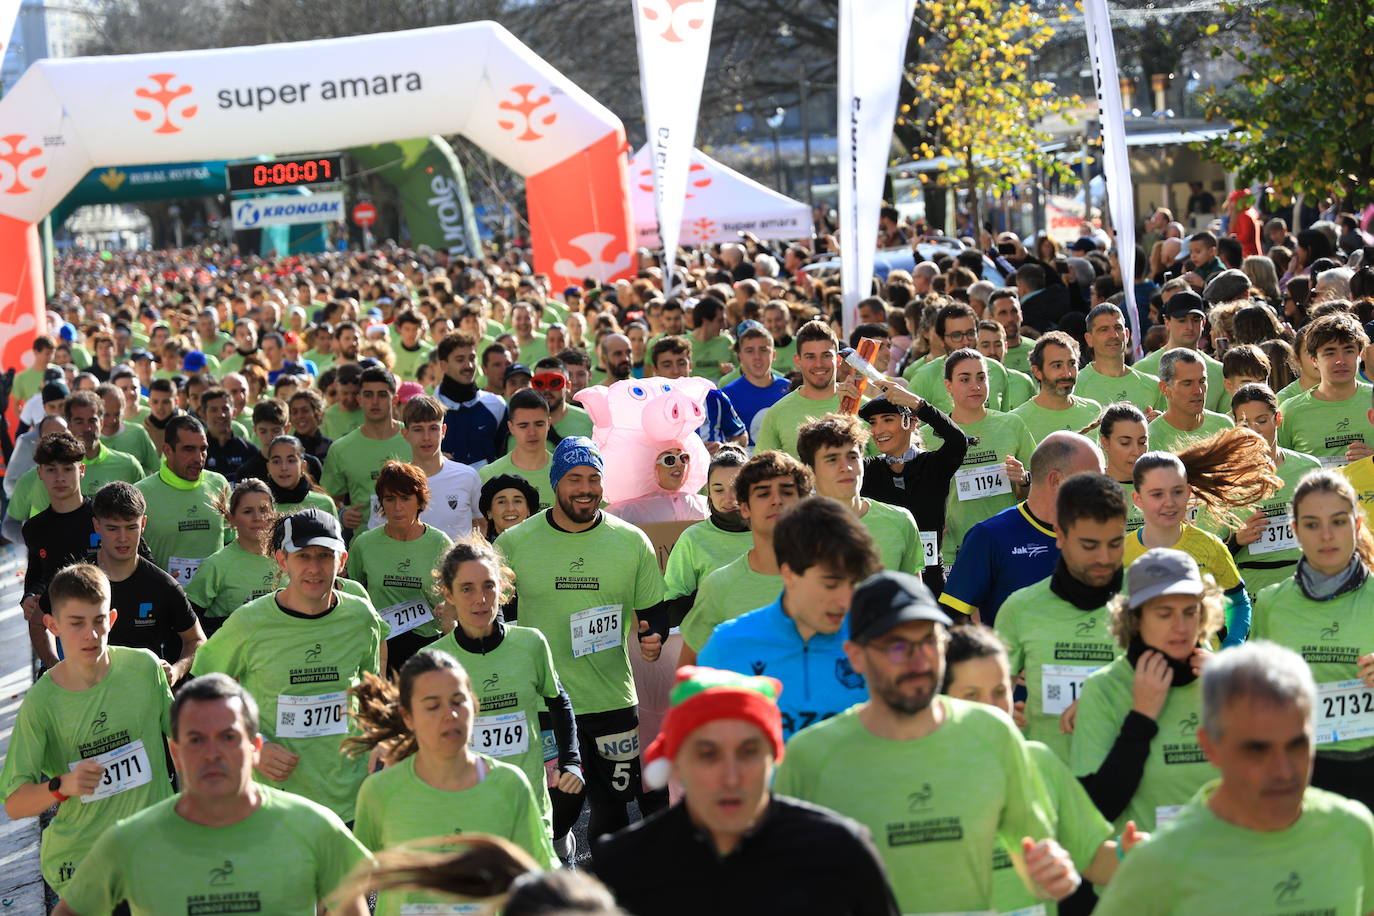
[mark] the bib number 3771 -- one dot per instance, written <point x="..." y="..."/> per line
<point x="311" y="717"/>
<point x="595" y="630"/>
<point x="126" y="767"/>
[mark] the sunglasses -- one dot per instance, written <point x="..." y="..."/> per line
<point x="550" y="380"/>
<point x="671" y="460"/>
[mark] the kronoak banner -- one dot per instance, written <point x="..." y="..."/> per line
<point x="872" y="54"/>
<point x="65" y="117"/>
<point x="674" y="38"/>
<point x="1115" y="161"/>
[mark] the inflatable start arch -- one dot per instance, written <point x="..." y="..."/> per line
<point x="65" y="117"/>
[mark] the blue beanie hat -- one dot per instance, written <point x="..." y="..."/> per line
<point x="570" y="453"/>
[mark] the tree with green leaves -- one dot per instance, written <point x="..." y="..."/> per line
<point x="1301" y="105"/>
<point x="974" y="99"/>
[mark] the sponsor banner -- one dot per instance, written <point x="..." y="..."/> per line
<point x="288" y="210"/>
<point x="432" y="189"/>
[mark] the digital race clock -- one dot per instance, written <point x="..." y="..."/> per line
<point x="257" y="175"/>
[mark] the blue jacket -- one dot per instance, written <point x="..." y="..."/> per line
<point x="817" y="681"/>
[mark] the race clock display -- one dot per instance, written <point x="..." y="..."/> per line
<point x="258" y="175"/>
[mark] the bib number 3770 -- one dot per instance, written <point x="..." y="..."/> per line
<point x="126" y="767"/>
<point x="311" y="717"/>
<point x="595" y="630"/>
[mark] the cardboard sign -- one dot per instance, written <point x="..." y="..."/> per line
<point x="664" y="535"/>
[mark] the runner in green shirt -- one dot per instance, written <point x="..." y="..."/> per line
<point x="713" y="542"/>
<point x="993" y="474"/>
<point x="977" y="670"/>
<point x="344" y="415"/>
<point x="903" y="764"/>
<point x="92" y="727"/>
<point x="527" y="420"/>
<point x="512" y="674"/>
<point x="778" y="320"/>
<point x="817" y="358"/>
<point x="431" y="761"/>
<point x="242" y="570"/>
<point x="396" y="562"/>
<point x="551" y="381"/>
<point x="1006" y="311"/>
<point x="1331" y="419"/>
<point x="1183" y="380"/>
<point x="287" y="477"/>
<point x="1054" y="363"/>
<point x="590" y="583"/>
<point x="412" y="350"/>
<point x="185" y="526"/>
<point x="833" y="448"/>
<point x="955" y="326"/>
<point x="129" y="438"/>
<point x="225" y="844"/>
<point x="353" y="462"/>
<point x="297" y="651"/>
<point x="1135" y="736"/>
<point x="1107" y="379"/>
<point x="28" y="382"/>
<point x="1184" y="319"/>
<point x="765" y="487"/>
<point x="101" y="466"/>
<point x="1056" y="630"/>
<point x="1322" y="612"/>
<point x="506" y="500"/>
<point x="1259" y="839"/>
<point x="524" y="324"/>
<point x="1121" y="432"/>
<point x="1268" y="550"/>
<point x="713" y="350"/>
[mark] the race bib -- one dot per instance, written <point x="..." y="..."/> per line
<point x="1166" y="813"/>
<point x="126" y="767"/>
<point x="595" y="630"/>
<point x="442" y="909"/>
<point x="501" y="736"/>
<point x="930" y="548"/>
<point x="402" y="618"/>
<point x="1037" y="910"/>
<point x="312" y="717"/>
<point x="1345" y="710"/>
<point x="549" y="745"/>
<point x="183" y="569"/>
<point x="1276" y="535"/>
<point x="1332" y="462"/>
<point x="1060" y="686"/>
<point x="982" y="481"/>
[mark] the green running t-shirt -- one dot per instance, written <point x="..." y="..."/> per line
<point x="1325" y="428"/>
<point x="30" y="497"/>
<point x="1217" y="398"/>
<point x="398" y="575"/>
<point x="1274" y="557"/>
<point x="396" y="806"/>
<point x="899" y="540"/>
<point x="1164" y="436"/>
<point x="700" y="550"/>
<point x="538" y="479"/>
<point x="124" y="718"/>
<point x="915" y="798"/>
<point x="285" y="858"/>
<point x="729" y="592"/>
<point x="1057" y="646"/>
<point x="1042" y="421"/>
<point x="1135" y="387"/>
<point x="780" y="425"/>
<point x="299" y="668"/>
<point x="928" y="381"/>
<point x="132" y="439"/>
<point x="581" y="590"/>
<point x="1176" y="767"/>
<point x="352" y="466"/>
<point x="1323" y="863"/>
<point x="184" y="527"/>
<point x="338" y="422"/>
<point x="230" y="578"/>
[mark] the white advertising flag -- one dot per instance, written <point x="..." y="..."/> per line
<point x="9" y="12"/>
<point x="1115" y="163"/>
<point x="872" y="55"/>
<point x="288" y="210"/>
<point x="674" y="38"/>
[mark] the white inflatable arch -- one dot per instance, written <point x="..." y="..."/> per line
<point x="65" y="117"/>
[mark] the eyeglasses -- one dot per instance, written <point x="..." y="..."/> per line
<point x="961" y="335"/>
<point x="670" y="460"/>
<point x="900" y="651"/>
<point x="550" y="380"/>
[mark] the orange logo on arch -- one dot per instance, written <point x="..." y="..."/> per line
<point x="526" y="108"/>
<point x="646" y="176"/>
<point x="674" y="16"/>
<point x="17" y="164"/>
<point x="164" y="96"/>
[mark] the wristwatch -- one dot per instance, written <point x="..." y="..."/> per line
<point x="55" y="787"/>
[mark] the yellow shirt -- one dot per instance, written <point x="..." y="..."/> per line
<point x="1361" y="477"/>
<point x="1208" y="550"/>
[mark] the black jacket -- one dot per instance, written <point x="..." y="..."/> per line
<point x="800" y="859"/>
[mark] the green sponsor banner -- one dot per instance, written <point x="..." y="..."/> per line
<point x="135" y="183"/>
<point x="432" y="190"/>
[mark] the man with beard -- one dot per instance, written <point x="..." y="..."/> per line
<point x="475" y="422"/>
<point x="616" y="362"/>
<point x="1107" y="379"/>
<point x="1054" y="363"/>
<point x="589" y="582"/>
<point x="902" y="764"/>
<point x="817" y="357"/>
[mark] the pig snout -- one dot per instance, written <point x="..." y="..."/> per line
<point x="672" y="417"/>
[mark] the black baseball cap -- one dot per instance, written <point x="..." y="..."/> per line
<point x="311" y="528"/>
<point x="888" y="599"/>
<point x="1183" y="303"/>
<point x="516" y="369"/>
<point x="879" y="406"/>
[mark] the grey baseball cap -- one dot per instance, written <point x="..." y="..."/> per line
<point x="1162" y="571"/>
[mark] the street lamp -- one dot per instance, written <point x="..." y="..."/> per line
<point x="774" y="121"/>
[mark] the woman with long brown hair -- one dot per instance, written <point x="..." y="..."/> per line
<point x="1225" y="472"/>
<point x="244" y="568"/>
<point x="437" y="785"/>
<point x="1323" y="613"/>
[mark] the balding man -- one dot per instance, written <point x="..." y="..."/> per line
<point x="1016" y="547"/>
<point x="922" y="274"/>
<point x="615" y="359"/>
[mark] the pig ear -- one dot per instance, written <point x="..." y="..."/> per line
<point x="693" y="386"/>
<point x="596" y="402"/>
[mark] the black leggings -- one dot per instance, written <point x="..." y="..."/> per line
<point x="1351" y="778"/>
<point x="609" y="745"/>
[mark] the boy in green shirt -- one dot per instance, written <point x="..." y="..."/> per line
<point x="355" y="460"/>
<point x="527" y="420"/>
<point x="92" y="727"/>
<point x="1330" y="419"/>
<point x="1260" y="839"/>
<point x="817" y="357"/>
<point x="225" y="844"/>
